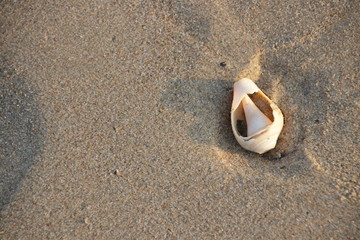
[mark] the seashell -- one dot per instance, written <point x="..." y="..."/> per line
<point x="255" y="120"/>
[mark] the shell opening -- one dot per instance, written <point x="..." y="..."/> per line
<point x="263" y="103"/>
<point x="253" y="114"/>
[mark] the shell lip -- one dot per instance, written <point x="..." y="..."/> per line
<point x="255" y="134"/>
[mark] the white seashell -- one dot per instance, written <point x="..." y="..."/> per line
<point x="261" y="121"/>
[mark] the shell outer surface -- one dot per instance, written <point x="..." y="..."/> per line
<point x="264" y="139"/>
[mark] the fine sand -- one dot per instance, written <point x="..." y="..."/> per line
<point x="115" y="119"/>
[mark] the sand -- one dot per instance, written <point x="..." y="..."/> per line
<point x="114" y="119"/>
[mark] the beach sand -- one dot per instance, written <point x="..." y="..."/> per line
<point x="115" y="119"/>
